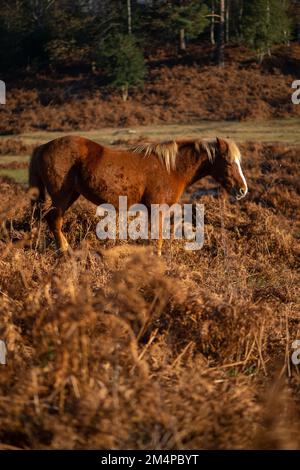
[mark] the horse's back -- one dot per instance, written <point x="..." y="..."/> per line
<point x="69" y="149"/>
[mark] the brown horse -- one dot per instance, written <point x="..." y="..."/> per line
<point x="71" y="166"/>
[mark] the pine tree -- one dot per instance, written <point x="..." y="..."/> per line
<point x="265" y="23"/>
<point x="178" y="19"/>
<point x="123" y="62"/>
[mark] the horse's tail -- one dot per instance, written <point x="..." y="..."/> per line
<point x="37" y="190"/>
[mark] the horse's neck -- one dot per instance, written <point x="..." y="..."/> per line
<point x="193" y="166"/>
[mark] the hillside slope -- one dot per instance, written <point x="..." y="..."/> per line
<point x="182" y="90"/>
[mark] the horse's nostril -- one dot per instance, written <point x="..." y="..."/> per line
<point x="242" y="191"/>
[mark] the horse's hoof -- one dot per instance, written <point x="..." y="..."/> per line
<point x="65" y="252"/>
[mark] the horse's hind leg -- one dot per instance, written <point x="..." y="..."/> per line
<point x="55" y="221"/>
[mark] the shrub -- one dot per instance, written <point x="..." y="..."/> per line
<point x="123" y="63"/>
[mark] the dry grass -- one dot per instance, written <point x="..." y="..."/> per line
<point x="113" y="347"/>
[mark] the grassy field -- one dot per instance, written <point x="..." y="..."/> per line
<point x="275" y="131"/>
<point x="281" y="130"/>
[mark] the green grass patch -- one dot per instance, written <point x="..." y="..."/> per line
<point x="20" y="175"/>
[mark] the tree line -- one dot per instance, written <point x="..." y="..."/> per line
<point x="114" y="36"/>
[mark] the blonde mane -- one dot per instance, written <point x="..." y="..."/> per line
<point x="234" y="151"/>
<point x="167" y="151"/>
<point x="210" y="146"/>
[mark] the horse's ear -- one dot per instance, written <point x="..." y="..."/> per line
<point x="222" y="145"/>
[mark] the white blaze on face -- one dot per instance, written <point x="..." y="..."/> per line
<point x="238" y="163"/>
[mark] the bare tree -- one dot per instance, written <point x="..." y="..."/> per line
<point x="227" y="15"/>
<point x="129" y="17"/>
<point x="241" y="12"/>
<point x="295" y="10"/>
<point x="212" y="23"/>
<point x="221" y="36"/>
<point x="182" y="43"/>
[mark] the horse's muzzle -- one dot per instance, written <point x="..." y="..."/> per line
<point x="239" y="193"/>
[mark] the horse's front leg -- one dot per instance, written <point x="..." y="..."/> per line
<point x="156" y="232"/>
<point x="160" y="234"/>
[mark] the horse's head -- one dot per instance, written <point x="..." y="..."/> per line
<point x="226" y="168"/>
